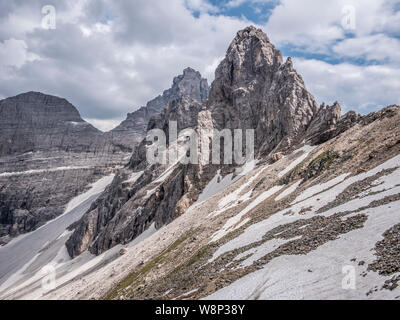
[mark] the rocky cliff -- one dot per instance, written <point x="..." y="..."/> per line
<point x="142" y="194"/>
<point x="48" y="155"/>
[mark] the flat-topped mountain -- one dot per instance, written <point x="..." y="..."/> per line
<point x="35" y="121"/>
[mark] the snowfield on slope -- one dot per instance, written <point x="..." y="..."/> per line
<point x="319" y="274"/>
<point x="22" y="259"/>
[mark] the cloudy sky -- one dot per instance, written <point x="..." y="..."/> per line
<point x="110" y="57"/>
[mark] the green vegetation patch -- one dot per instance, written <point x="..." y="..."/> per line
<point x="320" y="164"/>
<point x="317" y="166"/>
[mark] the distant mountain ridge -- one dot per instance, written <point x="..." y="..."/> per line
<point x="35" y="121"/>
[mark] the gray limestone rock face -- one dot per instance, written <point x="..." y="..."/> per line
<point x="324" y="123"/>
<point x="36" y="187"/>
<point x="189" y="84"/>
<point x="254" y="89"/>
<point x="40" y="132"/>
<point x="48" y="155"/>
<point x="29" y="201"/>
<point x="122" y="213"/>
<point x="132" y="130"/>
<point x="126" y="209"/>
<point x="34" y="121"/>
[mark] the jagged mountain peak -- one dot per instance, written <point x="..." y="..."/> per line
<point x="254" y="89"/>
<point x="248" y="35"/>
<point x="188" y="84"/>
<point x="35" y="121"/>
<point x="188" y="73"/>
<point x="250" y="53"/>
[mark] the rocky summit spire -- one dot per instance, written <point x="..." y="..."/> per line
<point x="253" y="88"/>
<point x="250" y="55"/>
<point x="189" y="84"/>
<point x="132" y="130"/>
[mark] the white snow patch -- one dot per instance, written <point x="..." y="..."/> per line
<point x="219" y="183"/>
<point x="61" y="257"/>
<point x="17" y="275"/>
<point x="255" y="232"/>
<point x="165" y="175"/>
<point x="234" y="198"/>
<point x="187" y="294"/>
<point x="257" y="253"/>
<point x="167" y="292"/>
<point x="230" y="224"/>
<point x="288" y="191"/>
<point x="97" y="187"/>
<point x="134" y="177"/>
<point x="28" y="172"/>
<point x="65" y="234"/>
<point x="77" y="123"/>
<point x="320" y="187"/>
<point x="216" y="184"/>
<point x="319" y="274"/>
<point x="248" y="167"/>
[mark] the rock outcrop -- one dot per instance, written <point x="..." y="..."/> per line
<point x="329" y="123"/>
